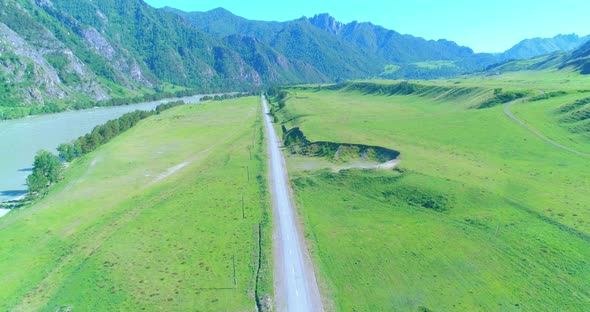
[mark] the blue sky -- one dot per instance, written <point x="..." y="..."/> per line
<point x="485" y="26"/>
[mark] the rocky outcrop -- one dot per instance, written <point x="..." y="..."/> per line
<point x="128" y="71"/>
<point x="69" y="51"/>
<point x="25" y="69"/>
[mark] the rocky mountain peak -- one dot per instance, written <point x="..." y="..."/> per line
<point x="327" y="23"/>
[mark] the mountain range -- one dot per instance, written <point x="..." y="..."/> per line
<point x="68" y="51"/>
<point x="534" y="47"/>
<point x="577" y="60"/>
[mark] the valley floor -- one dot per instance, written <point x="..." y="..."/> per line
<point x="480" y="215"/>
<point x="171" y="215"/>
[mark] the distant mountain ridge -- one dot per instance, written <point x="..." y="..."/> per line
<point x="534" y="47"/>
<point x="579" y="59"/>
<point x="65" y="52"/>
<point x="364" y="50"/>
<point x="389" y="44"/>
<point x="576" y="60"/>
<point x="353" y="50"/>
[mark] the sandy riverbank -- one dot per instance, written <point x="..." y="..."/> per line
<point x="3" y="212"/>
<point x="15" y="201"/>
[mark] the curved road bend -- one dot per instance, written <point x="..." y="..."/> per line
<point x="537" y="134"/>
<point x="296" y="288"/>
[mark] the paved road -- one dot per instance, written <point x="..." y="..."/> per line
<point x="537" y="134"/>
<point x="295" y="284"/>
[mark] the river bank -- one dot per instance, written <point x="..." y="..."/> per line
<point x="25" y="136"/>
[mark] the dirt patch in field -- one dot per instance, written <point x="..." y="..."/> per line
<point x="306" y="155"/>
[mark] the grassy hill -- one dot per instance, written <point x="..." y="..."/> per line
<point x="152" y="220"/>
<point x="481" y="214"/>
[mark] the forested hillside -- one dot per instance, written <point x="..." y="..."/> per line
<point x="344" y="51"/>
<point x="61" y="54"/>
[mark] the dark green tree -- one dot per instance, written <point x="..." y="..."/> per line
<point x="66" y="152"/>
<point x="37" y="181"/>
<point x="48" y="165"/>
<point x="77" y="148"/>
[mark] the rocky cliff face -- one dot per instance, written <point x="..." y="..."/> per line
<point x="36" y="65"/>
<point x="64" y="51"/>
<point x="25" y="70"/>
<point x="326" y="23"/>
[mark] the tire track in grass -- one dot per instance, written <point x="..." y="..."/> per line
<point x="535" y="132"/>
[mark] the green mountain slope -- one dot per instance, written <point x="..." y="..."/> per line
<point x="344" y="51"/>
<point x="60" y="54"/>
<point x="272" y="65"/>
<point x="53" y="51"/>
<point x="298" y="40"/>
<point x="549" y="61"/>
<point x="337" y="58"/>
<point x="360" y="49"/>
<point x="388" y="44"/>
<point x="577" y="60"/>
<point x="222" y="23"/>
<point x="169" y="49"/>
<point x="534" y="47"/>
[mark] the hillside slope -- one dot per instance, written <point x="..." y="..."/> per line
<point x="577" y="60"/>
<point x="342" y="51"/>
<point x="534" y="47"/>
<point x="388" y="44"/>
<point x="59" y="51"/>
<point x="60" y="54"/>
<point x="96" y="50"/>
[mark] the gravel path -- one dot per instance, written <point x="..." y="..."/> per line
<point x="296" y="288"/>
<point x="537" y="134"/>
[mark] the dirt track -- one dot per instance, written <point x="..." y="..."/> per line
<point x="537" y="134"/>
<point x="296" y="288"/>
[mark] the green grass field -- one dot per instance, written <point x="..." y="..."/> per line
<point x="150" y="221"/>
<point x="542" y="116"/>
<point x="481" y="215"/>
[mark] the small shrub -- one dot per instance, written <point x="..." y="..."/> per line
<point x="566" y="108"/>
<point x="547" y="95"/>
<point x="501" y="98"/>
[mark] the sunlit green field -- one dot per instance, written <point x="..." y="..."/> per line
<point x="481" y="215"/>
<point x="544" y="117"/>
<point x="151" y="221"/>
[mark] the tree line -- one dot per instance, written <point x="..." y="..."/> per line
<point x="47" y="167"/>
<point x="15" y="111"/>
<point x="227" y="96"/>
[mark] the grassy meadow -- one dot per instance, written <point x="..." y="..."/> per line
<point x="481" y="215"/>
<point x="151" y="221"/>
